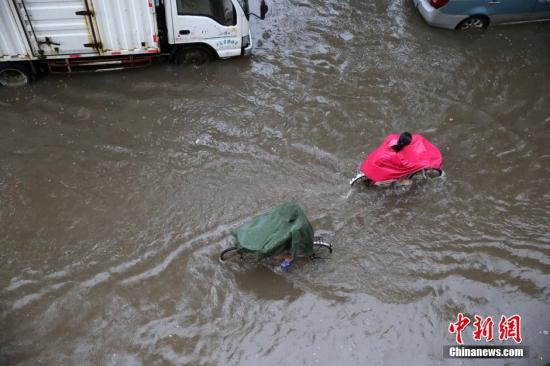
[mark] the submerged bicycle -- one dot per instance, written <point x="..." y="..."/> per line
<point x="321" y="250"/>
<point x="282" y="234"/>
<point x="424" y="174"/>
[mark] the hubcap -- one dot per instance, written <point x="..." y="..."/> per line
<point x="13" y="77"/>
<point x="473" y="23"/>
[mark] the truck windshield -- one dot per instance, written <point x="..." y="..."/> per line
<point x="244" y="5"/>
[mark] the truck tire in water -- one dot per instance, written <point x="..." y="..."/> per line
<point x="13" y="74"/>
<point x="192" y="56"/>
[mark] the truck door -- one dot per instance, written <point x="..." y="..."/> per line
<point x="60" y="27"/>
<point x="214" y="22"/>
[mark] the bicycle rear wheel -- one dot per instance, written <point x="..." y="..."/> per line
<point x="429" y="173"/>
<point x="321" y="248"/>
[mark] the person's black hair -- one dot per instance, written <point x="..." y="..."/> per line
<point x="404" y="139"/>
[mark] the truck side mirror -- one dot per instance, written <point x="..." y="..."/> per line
<point x="263" y="9"/>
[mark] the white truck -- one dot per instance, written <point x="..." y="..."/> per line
<point x="65" y="36"/>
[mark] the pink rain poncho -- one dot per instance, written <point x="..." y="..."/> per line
<point x="385" y="164"/>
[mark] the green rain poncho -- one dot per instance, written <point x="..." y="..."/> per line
<point x="283" y="229"/>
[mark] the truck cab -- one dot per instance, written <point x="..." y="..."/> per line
<point x="206" y="29"/>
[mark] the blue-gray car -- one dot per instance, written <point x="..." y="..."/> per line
<point x="478" y="14"/>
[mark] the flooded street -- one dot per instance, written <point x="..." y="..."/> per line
<point x="118" y="191"/>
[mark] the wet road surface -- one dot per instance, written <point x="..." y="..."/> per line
<point x="118" y="191"/>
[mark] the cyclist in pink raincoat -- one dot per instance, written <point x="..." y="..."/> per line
<point x="398" y="158"/>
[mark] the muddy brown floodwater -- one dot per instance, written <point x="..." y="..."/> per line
<point x="117" y="192"/>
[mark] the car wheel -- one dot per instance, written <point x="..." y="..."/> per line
<point x="13" y="74"/>
<point x="192" y="56"/>
<point x="474" y="22"/>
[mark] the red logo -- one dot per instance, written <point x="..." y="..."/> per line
<point x="461" y="324"/>
<point x="483" y="328"/>
<point x="508" y="328"/>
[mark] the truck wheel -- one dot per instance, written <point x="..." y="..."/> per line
<point x="192" y="56"/>
<point x="474" y="22"/>
<point x="15" y="74"/>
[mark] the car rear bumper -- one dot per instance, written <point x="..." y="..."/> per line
<point x="435" y="17"/>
